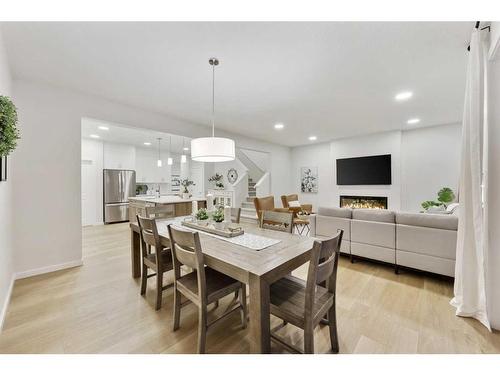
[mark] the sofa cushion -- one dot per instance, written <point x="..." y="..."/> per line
<point x="384" y="216"/>
<point x="328" y="226"/>
<point x="335" y="212"/>
<point x="449" y="222"/>
<point x="434" y="242"/>
<point x="373" y="233"/>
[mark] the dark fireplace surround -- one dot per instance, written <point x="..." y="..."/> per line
<point x="358" y="201"/>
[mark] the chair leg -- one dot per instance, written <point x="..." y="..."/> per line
<point x="144" y="279"/>
<point x="202" y="329"/>
<point x="332" y="323"/>
<point x="159" y="288"/>
<point x="309" y="339"/>
<point x="243" y="303"/>
<point x="177" y="309"/>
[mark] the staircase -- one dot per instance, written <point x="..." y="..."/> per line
<point x="248" y="213"/>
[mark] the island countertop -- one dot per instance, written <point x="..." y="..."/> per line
<point x="166" y="199"/>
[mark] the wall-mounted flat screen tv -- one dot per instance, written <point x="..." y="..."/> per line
<point x="367" y="170"/>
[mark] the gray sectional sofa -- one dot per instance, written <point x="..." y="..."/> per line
<point x="424" y="242"/>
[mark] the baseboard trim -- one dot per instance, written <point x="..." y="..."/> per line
<point x="3" y="312"/>
<point x="53" y="268"/>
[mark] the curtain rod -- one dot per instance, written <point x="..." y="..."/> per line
<point x="477" y="27"/>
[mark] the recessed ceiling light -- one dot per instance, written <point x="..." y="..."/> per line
<point x="405" y="95"/>
<point x="94" y="136"/>
<point x="186" y="148"/>
<point x="279" y="126"/>
<point x="313" y="138"/>
<point x="147" y="143"/>
<point x="413" y="121"/>
<point x="103" y="128"/>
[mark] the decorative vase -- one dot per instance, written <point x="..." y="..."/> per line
<point x="219" y="225"/>
<point x="185" y="195"/>
<point x="203" y="222"/>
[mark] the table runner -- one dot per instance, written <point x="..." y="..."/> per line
<point x="248" y="240"/>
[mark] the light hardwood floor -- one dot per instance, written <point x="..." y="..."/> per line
<point x="97" y="308"/>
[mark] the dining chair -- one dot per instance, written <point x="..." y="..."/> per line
<point x="160" y="261"/>
<point x="203" y="286"/>
<point x="235" y="215"/>
<point x="160" y="212"/>
<point x="266" y="204"/>
<point x="279" y="221"/>
<point x="305" y="303"/>
<point x="286" y="199"/>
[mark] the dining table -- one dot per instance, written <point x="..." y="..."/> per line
<point x="256" y="268"/>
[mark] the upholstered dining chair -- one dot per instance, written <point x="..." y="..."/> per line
<point x="286" y="199"/>
<point x="266" y="204"/>
<point x="160" y="261"/>
<point x="203" y="286"/>
<point x="280" y="221"/>
<point x="305" y="303"/>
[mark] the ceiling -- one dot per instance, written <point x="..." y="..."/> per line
<point x="332" y="79"/>
<point x="117" y="133"/>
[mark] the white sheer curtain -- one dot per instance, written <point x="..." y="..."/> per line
<point x="470" y="278"/>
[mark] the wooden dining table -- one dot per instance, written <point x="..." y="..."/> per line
<point x="258" y="269"/>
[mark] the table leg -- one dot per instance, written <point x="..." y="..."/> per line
<point x="259" y="315"/>
<point x="135" y="252"/>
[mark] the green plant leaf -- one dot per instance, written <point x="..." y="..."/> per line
<point x="446" y="195"/>
<point x="9" y="134"/>
<point x="428" y="204"/>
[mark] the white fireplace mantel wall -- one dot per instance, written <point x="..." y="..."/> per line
<point x="423" y="161"/>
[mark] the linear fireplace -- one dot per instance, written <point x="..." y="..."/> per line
<point x="357" y="201"/>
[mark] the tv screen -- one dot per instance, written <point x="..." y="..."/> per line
<point x="367" y="170"/>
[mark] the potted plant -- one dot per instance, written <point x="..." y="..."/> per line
<point x="185" y="184"/>
<point x="218" y="217"/>
<point x="217" y="178"/>
<point x="202" y="216"/>
<point x="9" y="134"/>
<point x="445" y="197"/>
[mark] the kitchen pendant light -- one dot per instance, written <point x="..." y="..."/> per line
<point x="183" y="156"/>
<point x="159" y="163"/>
<point x="169" y="159"/>
<point x="212" y="149"/>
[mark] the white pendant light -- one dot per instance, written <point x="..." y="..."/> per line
<point x="212" y="149"/>
<point x="169" y="159"/>
<point x="159" y="163"/>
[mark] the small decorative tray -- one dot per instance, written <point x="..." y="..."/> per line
<point x="211" y="229"/>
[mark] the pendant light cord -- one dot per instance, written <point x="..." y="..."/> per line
<point x="213" y="100"/>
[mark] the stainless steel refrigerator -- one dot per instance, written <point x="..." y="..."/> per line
<point x="119" y="185"/>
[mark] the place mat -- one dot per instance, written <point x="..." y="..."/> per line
<point x="248" y="240"/>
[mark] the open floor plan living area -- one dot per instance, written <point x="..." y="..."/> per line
<point x="242" y="187"/>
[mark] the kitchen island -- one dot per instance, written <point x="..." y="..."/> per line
<point x="177" y="206"/>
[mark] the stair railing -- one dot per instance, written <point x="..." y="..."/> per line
<point x="263" y="186"/>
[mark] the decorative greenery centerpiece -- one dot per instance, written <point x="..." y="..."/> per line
<point x="9" y="134"/>
<point x="218" y="215"/>
<point x="445" y="197"/>
<point x="217" y="178"/>
<point x="185" y="184"/>
<point x="202" y="214"/>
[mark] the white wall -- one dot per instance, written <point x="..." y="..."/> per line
<point x="46" y="167"/>
<point x="119" y="156"/>
<point x="423" y="161"/>
<point x="325" y="155"/>
<point x="92" y="189"/>
<point x="6" y="262"/>
<point x="493" y="265"/>
<point x="430" y="160"/>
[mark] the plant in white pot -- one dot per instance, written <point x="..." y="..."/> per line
<point x="218" y="218"/>
<point x="202" y="216"/>
<point x="218" y="180"/>
<point x="186" y="183"/>
<point x="9" y="134"/>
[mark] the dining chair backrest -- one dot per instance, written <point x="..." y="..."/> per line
<point x="279" y="221"/>
<point x="235" y="215"/>
<point x="186" y="250"/>
<point x="149" y="235"/>
<point x="159" y="212"/>
<point x="263" y="204"/>
<point x="323" y="267"/>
